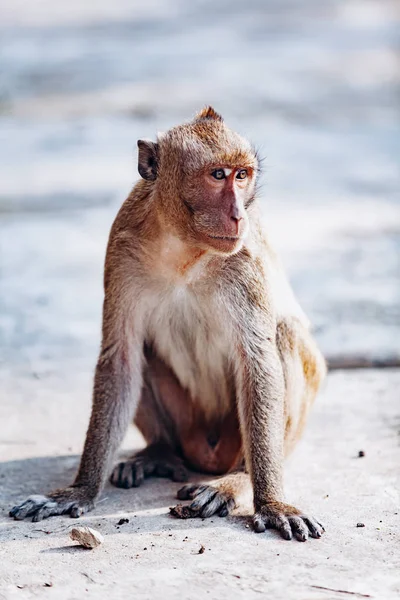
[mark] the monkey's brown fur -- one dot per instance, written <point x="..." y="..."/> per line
<point x="203" y="342"/>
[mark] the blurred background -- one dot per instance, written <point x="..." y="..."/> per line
<point x="313" y="83"/>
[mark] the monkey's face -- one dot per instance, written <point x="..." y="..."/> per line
<point x="204" y="178"/>
<point x="216" y="198"/>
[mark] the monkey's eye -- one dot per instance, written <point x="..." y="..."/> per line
<point x="218" y="174"/>
<point x="242" y="174"/>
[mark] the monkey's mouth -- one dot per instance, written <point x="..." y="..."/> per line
<point x="225" y="238"/>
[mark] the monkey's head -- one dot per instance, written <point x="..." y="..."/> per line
<point x="203" y="178"/>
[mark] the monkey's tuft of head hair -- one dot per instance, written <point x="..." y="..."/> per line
<point x="208" y="113"/>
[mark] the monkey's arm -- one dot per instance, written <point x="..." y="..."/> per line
<point x="261" y="413"/>
<point x="117" y="387"/>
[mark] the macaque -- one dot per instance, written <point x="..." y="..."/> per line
<point x="203" y="343"/>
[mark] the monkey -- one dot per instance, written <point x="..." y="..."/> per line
<point x="204" y="345"/>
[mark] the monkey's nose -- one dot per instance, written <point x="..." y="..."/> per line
<point x="236" y="217"/>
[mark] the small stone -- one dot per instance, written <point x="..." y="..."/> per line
<point x="123" y="521"/>
<point x="202" y="549"/>
<point x="361" y="454"/>
<point x="86" y="537"/>
<point x="360" y="524"/>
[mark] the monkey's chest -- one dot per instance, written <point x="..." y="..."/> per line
<point x="191" y="333"/>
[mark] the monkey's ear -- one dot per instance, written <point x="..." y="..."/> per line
<point x="208" y="113"/>
<point x="148" y="159"/>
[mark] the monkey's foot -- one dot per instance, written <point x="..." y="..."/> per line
<point x="157" y="460"/>
<point x="72" y="501"/>
<point x="288" y="521"/>
<point x="207" y="501"/>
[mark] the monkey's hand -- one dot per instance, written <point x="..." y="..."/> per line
<point x="207" y="500"/>
<point x="72" y="500"/>
<point x="288" y="520"/>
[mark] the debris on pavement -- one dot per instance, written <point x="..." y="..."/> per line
<point x="86" y="537"/>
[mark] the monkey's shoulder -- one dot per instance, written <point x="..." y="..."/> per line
<point x="257" y="274"/>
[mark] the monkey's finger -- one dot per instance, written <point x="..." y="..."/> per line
<point x="62" y="507"/>
<point x="213" y="505"/>
<point x="226" y="509"/>
<point x="28" y="507"/>
<point x="137" y="474"/>
<point x="203" y="498"/>
<point x="47" y="510"/>
<point x="128" y="474"/>
<point x="184" y="493"/>
<point x="258" y="523"/>
<point x="116" y="474"/>
<point x="180" y="474"/>
<point x="17" y="510"/>
<point x="321" y="525"/>
<point x="149" y="467"/>
<point x="188" y="492"/>
<point x="299" y="528"/>
<point x="219" y="503"/>
<point x="163" y="470"/>
<point x="78" y="509"/>
<point x="316" y="529"/>
<point x="283" y="525"/>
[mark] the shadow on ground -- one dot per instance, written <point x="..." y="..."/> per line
<point x="40" y="475"/>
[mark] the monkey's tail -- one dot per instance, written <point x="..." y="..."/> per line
<point x="336" y="363"/>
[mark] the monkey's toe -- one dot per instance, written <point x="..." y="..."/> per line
<point x="207" y="500"/>
<point x="148" y="463"/>
<point x="128" y="474"/>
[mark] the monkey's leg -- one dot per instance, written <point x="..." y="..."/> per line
<point x="220" y="496"/>
<point x="157" y="460"/>
<point x="304" y="369"/>
<point x="160" y="458"/>
<point x="157" y="418"/>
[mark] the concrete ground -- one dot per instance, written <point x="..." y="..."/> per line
<point x="157" y="556"/>
<point x="314" y="84"/>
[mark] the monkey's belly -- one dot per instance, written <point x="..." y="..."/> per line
<point x="167" y="411"/>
